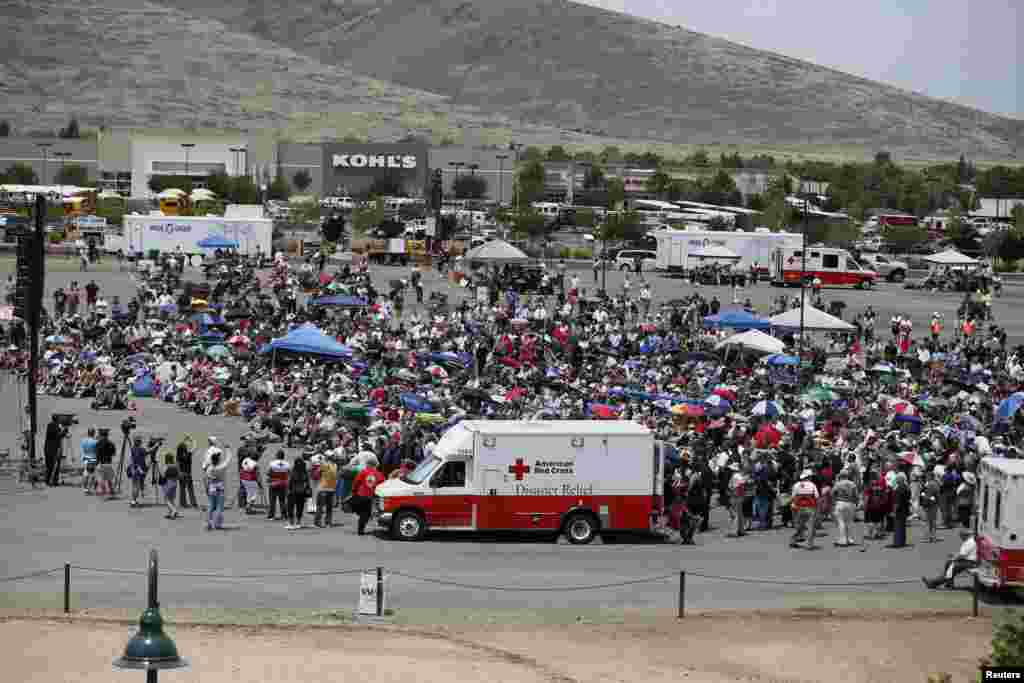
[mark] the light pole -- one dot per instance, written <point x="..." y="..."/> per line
<point x="457" y="165"/>
<point x="803" y="286"/>
<point x="151" y="650"/>
<point x="501" y="177"/>
<point x="45" y="146"/>
<point x="187" y="146"/>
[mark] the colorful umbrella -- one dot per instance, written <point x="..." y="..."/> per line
<point x="728" y="393"/>
<point x="767" y="409"/>
<point x="818" y="394"/>
<point x="688" y="410"/>
<point x="218" y="351"/>
<point x="239" y="340"/>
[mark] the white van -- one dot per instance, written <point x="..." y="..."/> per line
<point x="577" y="477"/>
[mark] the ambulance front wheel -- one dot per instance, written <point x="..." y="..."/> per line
<point x="408" y="526"/>
<point x="580" y="528"/>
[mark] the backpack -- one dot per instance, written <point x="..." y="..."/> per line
<point x="876" y="499"/>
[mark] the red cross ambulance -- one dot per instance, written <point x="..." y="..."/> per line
<point x="577" y="477"/>
<point x="1000" y="529"/>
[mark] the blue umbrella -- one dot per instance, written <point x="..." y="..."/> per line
<point x="782" y="359"/>
<point x="339" y="300"/>
<point x="170" y="309"/>
<point x="87" y="356"/>
<point x="1009" y="406"/>
<point x="767" y="409"/>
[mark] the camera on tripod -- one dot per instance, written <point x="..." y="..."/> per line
<point x="66" y="419"/>
<point x="127" y="425"/>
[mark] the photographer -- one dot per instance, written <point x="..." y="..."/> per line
<point x="185" y="451"/>
<point x="105" y="452"/>
<point x="55" y="433"/>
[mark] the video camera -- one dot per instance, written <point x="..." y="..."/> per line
<point x="66" y="419"/>
<point x="127" y="425"/>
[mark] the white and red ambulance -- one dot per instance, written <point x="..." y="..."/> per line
<point x="1000" y="529"/>
<point x="834" y="267"/>
<point x="577" y="477"/>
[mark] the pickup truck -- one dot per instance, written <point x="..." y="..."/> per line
<point x="893" y="271"/>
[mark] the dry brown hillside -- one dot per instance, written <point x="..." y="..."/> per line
<point x="442" y="66"/>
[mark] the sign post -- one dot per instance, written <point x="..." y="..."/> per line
<point x="372" y="594"/>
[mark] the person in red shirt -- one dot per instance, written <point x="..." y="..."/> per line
<point x="365" y="484"/>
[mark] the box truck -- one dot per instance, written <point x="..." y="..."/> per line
<point x="675" y="247"/>
<point x="165" y="233"/>
<point x="577" y="477"/>
<point x="1000" y="523"/>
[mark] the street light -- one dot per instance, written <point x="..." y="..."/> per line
<point x="45" y="146"/>
<point x="501" y="177"/>
<point x="187" y="146"/>
<point x="803" y="283"/>
<point x="151" y="650"/>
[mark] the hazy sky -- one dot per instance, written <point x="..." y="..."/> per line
<point x="966" y="51"/>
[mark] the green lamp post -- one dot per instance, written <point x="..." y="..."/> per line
<point x="151" y="650"/>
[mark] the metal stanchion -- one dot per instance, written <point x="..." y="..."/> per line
<point x="682" y="595"/>
<point x="67" y="589"/>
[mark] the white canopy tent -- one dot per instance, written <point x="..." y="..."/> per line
<point x="496" y="251"/>
<point x="951" y="257"/>
<point x="815" y="320"/>
<point x="754" y="340"/>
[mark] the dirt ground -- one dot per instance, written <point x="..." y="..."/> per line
<point x="702" y="648"/>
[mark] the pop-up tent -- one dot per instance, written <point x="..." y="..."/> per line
<point x="951" y="257"/>
<point x="754" y="340"/>
<point x="814" y="320"/>
<point x="310" y="340"/>
<point x="737" y="320"/>
<point x="496" y="251"/>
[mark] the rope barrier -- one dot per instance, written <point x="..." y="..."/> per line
<point x="535" y="589"/>
<point x="208" y="575"/>
<point x="33" y="575"/>
<point x="471" y="586"/>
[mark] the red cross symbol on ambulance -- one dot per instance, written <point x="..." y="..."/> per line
<point x="519" y="469"/>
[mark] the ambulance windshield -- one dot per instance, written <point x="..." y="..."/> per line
<point x="422" y="471"/>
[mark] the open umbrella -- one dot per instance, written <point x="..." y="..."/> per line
<point x="717" y="405"/>
<point x="778" y="359"/>
<point x="688" y="410"/>
<point x="767" y="437"/>
<point x="968" y="423"/>
<point x="767" y="409"/>
<point x="1009" y="406"/>
<point x="728" y="393"/>
<point x="218" y="351"/>
<point x="818" y="394"/>
<point x="238" y="340"/>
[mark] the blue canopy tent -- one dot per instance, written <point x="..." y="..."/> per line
<point x="737" y="320"/>
<point x="310" y="340"/>
<point x="216" y="242"/>
<point x="344" y="300"/>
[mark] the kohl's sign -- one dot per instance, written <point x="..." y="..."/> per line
<point x="405" y="161"/>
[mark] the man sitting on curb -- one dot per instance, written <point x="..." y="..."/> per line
<point x="965" y="559"/>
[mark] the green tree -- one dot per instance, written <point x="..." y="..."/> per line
<point x="73" y="174"/>
<point x="586" y="218"/>
<point x="1007" y="644"/>
<point x="112" y="210"/>
<point x="1017" y="213"/>
<point x="5" y="129"/>
<point x="532" y="154"/>
<point x="883" y="158"/>
<point x="529" y="224"/>
<point x="699" y="158"/>
<point x="219" y="183"/>
<point x="302" y="180"/>
<point x="621" y="226"/>
<point x="470" y="187"/>
<point x="243" y="191"/>
<point x="365" y="218"/>
<point x="756" y="202"/>
<point x="71" y="130"/>
<point x="610" y="154"/>
<point x="778" y="215"/>
<point x="557" y="153"/>
<point x="593" y="179"/>
<point x="20" y="173"/>
<point x="651" y="160"/>
<point x="616" y="190"/>
<point x="530" y="181"/>
<point x="904" y="237"/>
<point x="658" y="183"/>
<point x="278" y="189"/>
<point x="719" y="190"/>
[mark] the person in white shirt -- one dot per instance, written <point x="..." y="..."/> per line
<point x="965" y="559"/>
<point x="805" y="509"/>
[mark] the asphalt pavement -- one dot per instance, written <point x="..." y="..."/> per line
<point x="43" y="530"/>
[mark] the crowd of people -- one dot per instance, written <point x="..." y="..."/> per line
<point x="883" y="423"/>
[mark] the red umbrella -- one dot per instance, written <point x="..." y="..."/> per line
<point x="767" y="437"/>
<point x="725" y="392"/>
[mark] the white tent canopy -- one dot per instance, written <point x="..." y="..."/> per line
<point x="171" y="193"/>
<point x="951" y="257"/>
<point x="754" y="340"/>
<point x="814" y="320"/>
<point x="496" y="251"/>
<point x="200" y="194"/>
<point x="109" y="194"/>
<point x="716" y="252"/>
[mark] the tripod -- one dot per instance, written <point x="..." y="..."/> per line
<point x="125" y="441"/>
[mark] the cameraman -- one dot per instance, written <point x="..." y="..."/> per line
<point x="52" y="450"/>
